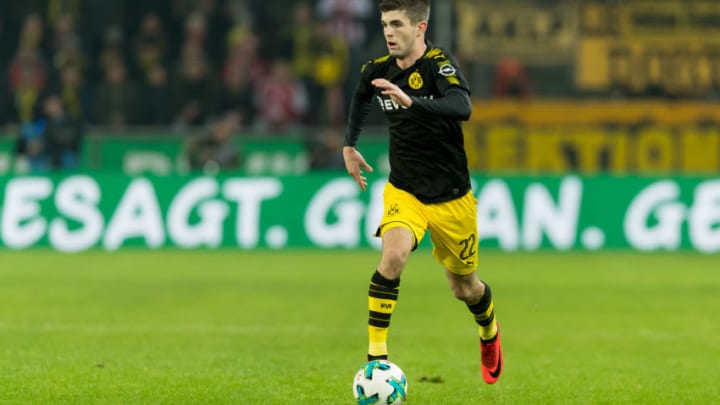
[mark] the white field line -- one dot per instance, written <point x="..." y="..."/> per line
<point x="159" y="328"/>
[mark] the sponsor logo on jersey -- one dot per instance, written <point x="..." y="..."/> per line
<point x="388" y="105"/>
<point x="447" y="70"/>
<point x="415" y="81"/>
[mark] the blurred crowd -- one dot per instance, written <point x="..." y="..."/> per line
<point x="211" y="69"/>
<point x="254" y="65"/>
<point x="179" y="62"/>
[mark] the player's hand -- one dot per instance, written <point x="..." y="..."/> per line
<point x="354" y="163"/>
<point x="396" y="94"/>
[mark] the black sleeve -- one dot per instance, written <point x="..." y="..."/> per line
<point x="359" y="105"/>
<point x="455" y="104"/>
<point x="359" y="110"/>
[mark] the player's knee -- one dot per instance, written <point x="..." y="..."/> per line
<point x="394" y="260"/>
<point x="460" y="292"/>
<point x="466" y="292"/>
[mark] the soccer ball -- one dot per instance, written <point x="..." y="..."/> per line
<point x="380" y="382"/>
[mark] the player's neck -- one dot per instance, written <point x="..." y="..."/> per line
<point x="417" y="53"/>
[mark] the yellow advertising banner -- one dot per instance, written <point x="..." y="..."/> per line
<point x="645" y="47"/>
<point x="576" y="112"/>
<point x="594" y="138"/>
<point x="532" y="32"/>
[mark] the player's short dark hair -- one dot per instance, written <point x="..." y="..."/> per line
<point x="417" y="10"/>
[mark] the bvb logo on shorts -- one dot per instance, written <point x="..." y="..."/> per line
<point x="415" y="80"/>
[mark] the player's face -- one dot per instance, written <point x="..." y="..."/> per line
<point x="401" y="36"/>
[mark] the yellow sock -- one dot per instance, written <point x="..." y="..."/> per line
<point x="484" y="313"/>
<point x="377" y="346"/>
<point x="488" y="332"/>
<point x="382" y="299"/>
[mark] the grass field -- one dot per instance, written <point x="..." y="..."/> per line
<point x="234" y="327"/>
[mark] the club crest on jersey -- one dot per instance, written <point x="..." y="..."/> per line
<point x="415" y="81"/>
<point x="447" y="70"/>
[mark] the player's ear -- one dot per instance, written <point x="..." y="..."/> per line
<point x="422" y="27"/>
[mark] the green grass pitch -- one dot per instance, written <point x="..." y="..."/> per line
<point x="261" y="327"/>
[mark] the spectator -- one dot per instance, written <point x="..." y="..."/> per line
<point x="31" y="148"/>
<point x="63" y="135"/>
<point x="282" y="100"/>
<point x="60" y="9"/>
<point x="26" y="81"/>
<point x="330" y="73"/>
<point x="29" y="54"/>
<point x="75" y="94"/>
<point x="215" y="149"/>
<point x="52" y="141"/>
<point x="217" y="23"/>
<point x="113" y="51"/>
<point x="319" y="60"/>
<point x="27" y="74"/>
<point x="243" y="55"/>
<point x="511" y="79"/>
<point x="194" y="90"/>
<point x="66" y="46"/>
<point x="32" y="34"/>
<point x="115" y="98"/>
<point x="347" y="20"/>
<point x="149" y="45"/>
<point x="237" y="95"/>
<point x="299" y="34"/>
<point x="154" y="97"/>
<point x="196" y="31"/>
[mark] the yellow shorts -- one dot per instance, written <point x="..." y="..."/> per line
<point x="452" y="226"/>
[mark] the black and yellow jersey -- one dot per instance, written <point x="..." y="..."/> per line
<point x="427" y="154"/>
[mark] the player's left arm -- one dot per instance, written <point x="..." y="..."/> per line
<point x="455" y="103"/>
<point x="454" y="100"/>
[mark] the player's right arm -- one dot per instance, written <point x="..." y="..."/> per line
<point x="359" y="109"/>
<point x="355" y="163"/>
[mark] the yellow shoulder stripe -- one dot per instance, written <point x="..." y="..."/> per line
<point x="374" y="61"/>
<point x="433" y="53"/>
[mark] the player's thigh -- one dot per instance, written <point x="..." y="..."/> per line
<point x="453" y="230"/>
<point x="402" y="209"/>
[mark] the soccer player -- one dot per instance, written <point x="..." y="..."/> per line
<point x="424" y="96"/>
